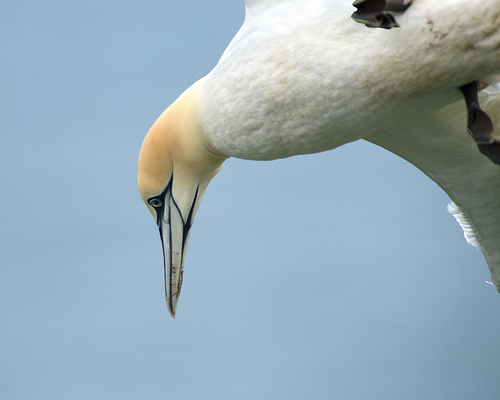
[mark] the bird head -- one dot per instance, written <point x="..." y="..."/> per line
<point x="175" y="167"/>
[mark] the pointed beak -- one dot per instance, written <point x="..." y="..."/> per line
<point x="174" y="233"/>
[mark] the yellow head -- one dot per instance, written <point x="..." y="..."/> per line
<point x="175" y="168"/>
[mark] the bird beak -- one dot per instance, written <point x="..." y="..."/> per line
<point x="174" y="169"/>
<point x="174" y="232"/>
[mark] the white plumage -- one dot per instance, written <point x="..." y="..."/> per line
<point x="302" y="77"/>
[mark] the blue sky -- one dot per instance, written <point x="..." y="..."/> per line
<point x="338" y="275"/>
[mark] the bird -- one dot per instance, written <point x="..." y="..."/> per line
<point x="419" y="78"/>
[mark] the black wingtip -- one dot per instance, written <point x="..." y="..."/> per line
<point x="375" y="13"/>
<point x="479" y="124"/>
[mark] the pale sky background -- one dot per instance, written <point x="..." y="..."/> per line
<point x="332" y="276"/>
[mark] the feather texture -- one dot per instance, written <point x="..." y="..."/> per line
<point x="439" y="145"/>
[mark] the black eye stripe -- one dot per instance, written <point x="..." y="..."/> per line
<point x="157" y="202"/>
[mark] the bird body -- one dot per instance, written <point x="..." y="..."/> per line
<point x="302" y="77"/>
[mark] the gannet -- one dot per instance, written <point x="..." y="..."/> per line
<point x="306" y="76"/>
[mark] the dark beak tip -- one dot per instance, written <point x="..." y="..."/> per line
<point x="171" y="311"/>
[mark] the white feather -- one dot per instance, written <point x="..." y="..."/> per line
<point x="302" y="77"/>
<point x="470" y="233"/>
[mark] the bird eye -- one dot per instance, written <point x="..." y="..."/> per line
<point x="155" y="203"/>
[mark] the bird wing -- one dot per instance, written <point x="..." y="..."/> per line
<point x="255" y="7"/>
<point x="438" y="144"/>
<point x="264" y="4"/>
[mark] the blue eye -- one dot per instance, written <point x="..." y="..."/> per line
<point x="155" y="203"/>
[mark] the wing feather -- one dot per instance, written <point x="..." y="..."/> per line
<point x="264" y="4"/>
<point x="438" y="144"/>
